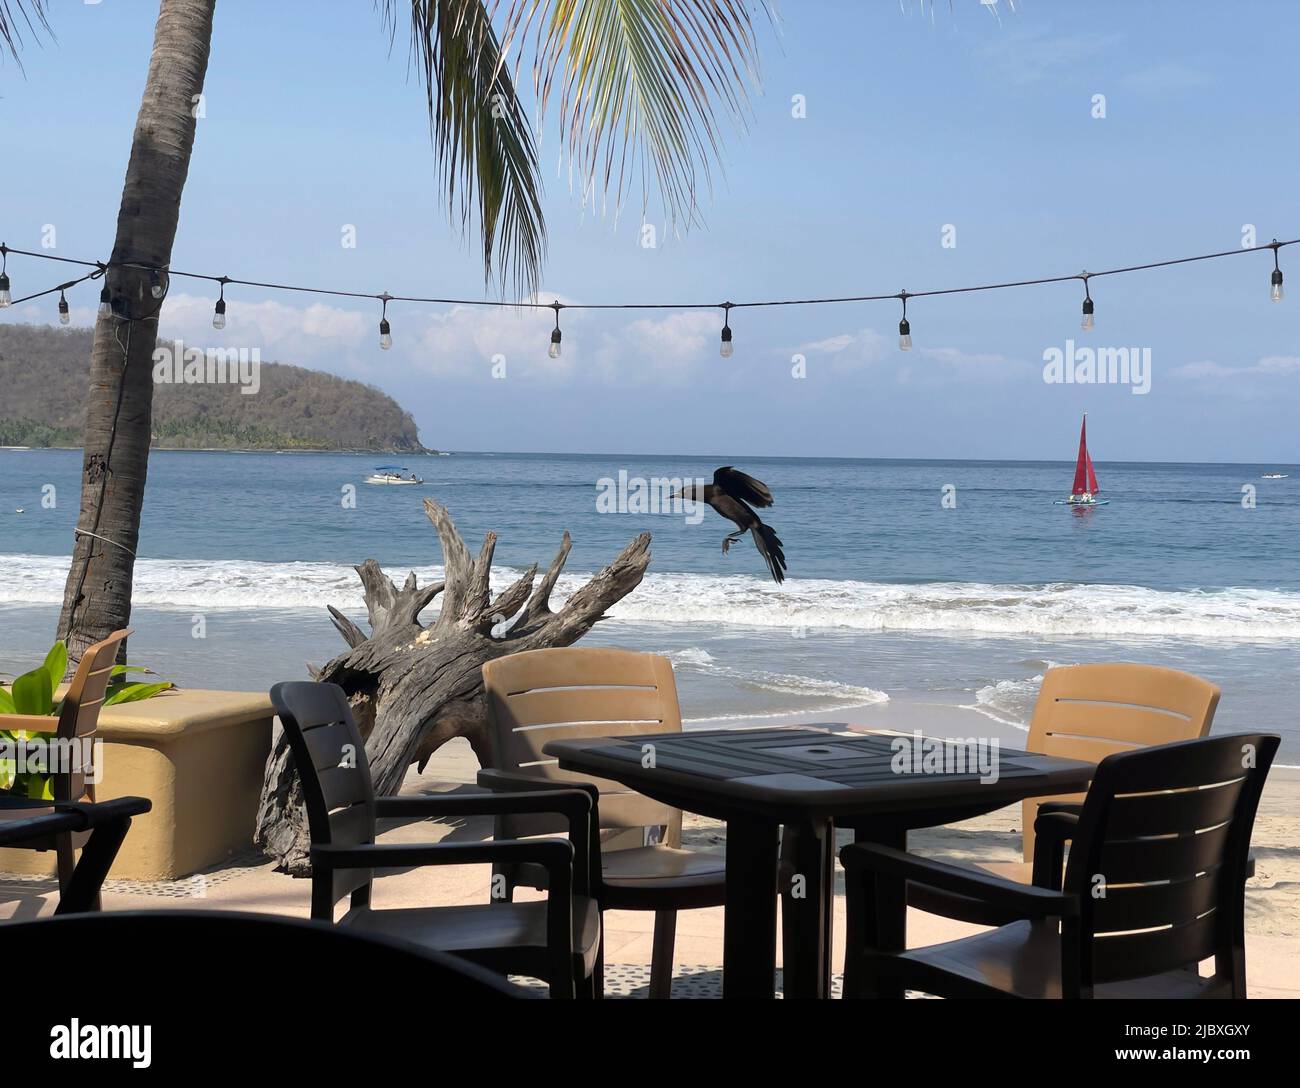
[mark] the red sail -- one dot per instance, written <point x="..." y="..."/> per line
<point x="1083" y="469"/>
<point x="1092" y="477"/>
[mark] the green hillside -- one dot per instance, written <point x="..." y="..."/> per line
<point x="43" y="374"/>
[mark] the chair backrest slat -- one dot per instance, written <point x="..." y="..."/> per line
<point x="1164" y="813"/>
<point x="1159" y="855"/>
<point x="577" y="693"/>
<point x="1147" y="906"/>
<point x="330" y="757"/>
<point x="1090" y="712"/>
<point x="1135" y="955"/>
<point x="79" y="714"/>
<point x="1167" y="857"/>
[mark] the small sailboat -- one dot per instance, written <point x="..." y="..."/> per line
<point x="1086" y="488"/>
<point x="1275" y="475"/>
<point x="393" y="474"/>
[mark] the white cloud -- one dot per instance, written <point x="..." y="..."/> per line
<point x="863" y="349"/>
<point x="1025" y="56"/>
<point x="281" y="332"/>
<point x="1166" y="77"/>
<point x="1257" y="378"/>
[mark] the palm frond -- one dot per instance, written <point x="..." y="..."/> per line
<point x="484" y="146"/>
<point x="641" y="85"/>
<point x="11" y="30"/>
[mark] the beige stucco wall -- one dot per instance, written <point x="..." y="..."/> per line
<point x="198" y="756"/>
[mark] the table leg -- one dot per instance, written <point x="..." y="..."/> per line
<point x="749" y="935"/>
<point x="808" y="856"/>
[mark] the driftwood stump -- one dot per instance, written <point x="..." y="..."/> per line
<point x="413" y="688"/>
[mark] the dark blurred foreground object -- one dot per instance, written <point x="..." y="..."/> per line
<point x="318" y="958"/>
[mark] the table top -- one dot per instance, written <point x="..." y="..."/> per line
<point x="824" y="770"/>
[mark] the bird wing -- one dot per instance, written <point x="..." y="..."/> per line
<point x="740" y="485"/>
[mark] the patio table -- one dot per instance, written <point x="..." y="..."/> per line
<point x="22" y="820"/>
<point x="807" y="779"/>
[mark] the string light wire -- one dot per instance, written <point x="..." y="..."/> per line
<point x="159" y="277"/>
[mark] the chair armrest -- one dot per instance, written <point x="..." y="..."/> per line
<point x="514" y="781"/>
<point x="573" y="804"/>
<point x="555" y="854"/>
<point x="1054" y="826"/>
<point x="1025" y="899"/>
<point x="1065" y="808"/>
<point x="30" y="723"/>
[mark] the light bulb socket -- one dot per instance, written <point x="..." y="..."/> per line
<point x="220" y="308"/>
<point x="1276" y="278"/>
<point x="555" y="336"/>
<point x="726" y="334"/>
<point x="1087" y="306"/>
<point x="63" y="308"/>
<point x="904" y="328"/>
<point x="384" y="328"/>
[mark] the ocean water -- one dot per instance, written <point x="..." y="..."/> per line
<point x="893" y="596"/>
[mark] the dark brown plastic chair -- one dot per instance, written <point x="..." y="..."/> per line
<point x="568" y="694"/>
<point x="557" y="940"/>
<point x="1154" y="884"/>
<point x="104" y="823"/>
<point x="1089" y="712"/>
<point x="78" y="720"/>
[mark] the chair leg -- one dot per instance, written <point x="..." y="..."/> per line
<point x="661" y="959"/>
<point x="598" y="972"/>
<point x="67" y="859"/>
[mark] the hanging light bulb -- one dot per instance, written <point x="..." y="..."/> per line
<point x="726" y="348"/>
<point x="554" y="351"/>
<point x="5" y="298"/>
<point x="1087" y="323"/>
<point x="219" y="311"/>
<point x="155" y="284"/>
<point x="1275" y="283"/>
<point x="385" y="330"/>
<point x="105" y="302"/>
<point x="64" y="315"/>
<point x="904" y="328"/>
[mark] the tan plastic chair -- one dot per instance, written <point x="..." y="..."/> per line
<point x="78" y="719"/>
<point x="1090" y="712"/>
<point x="1093" y="711"/>
<point x="539" y="696"/>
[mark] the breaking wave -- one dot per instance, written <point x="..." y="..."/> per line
<point x="961" y="608"/>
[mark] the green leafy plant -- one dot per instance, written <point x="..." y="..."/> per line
<point x="32" y="694"/>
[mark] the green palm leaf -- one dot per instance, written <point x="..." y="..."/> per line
<point x="484" y="146"/>
<point x="11" y="29"/>
<point x="641" y="87"/>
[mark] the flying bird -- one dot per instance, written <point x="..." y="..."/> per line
<point x="733" y="494"/>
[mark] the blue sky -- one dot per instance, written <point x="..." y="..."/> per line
<point x="979" y="122"/>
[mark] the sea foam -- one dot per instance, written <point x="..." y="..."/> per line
<point x="958" y="608"/>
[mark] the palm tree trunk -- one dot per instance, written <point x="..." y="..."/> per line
<point x="97" y="599"/>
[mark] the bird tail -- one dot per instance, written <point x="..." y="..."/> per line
<point x="769" y="547"/>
